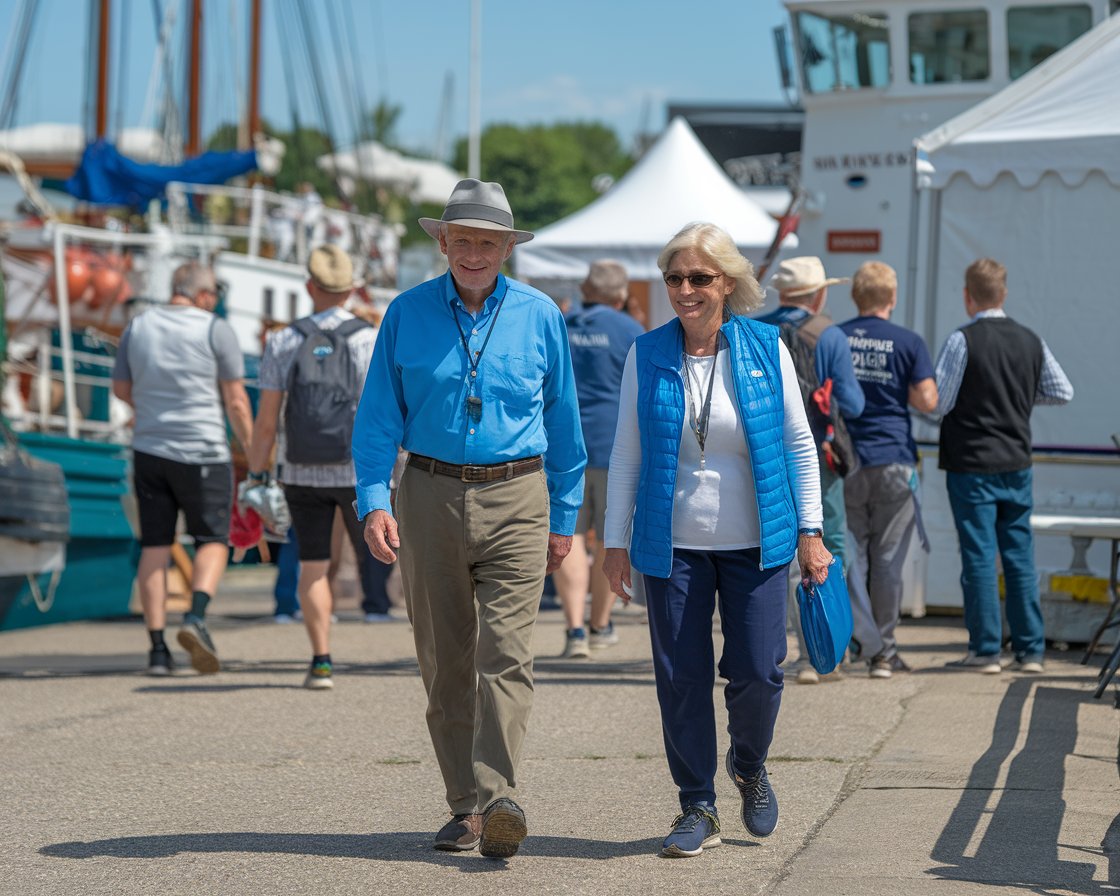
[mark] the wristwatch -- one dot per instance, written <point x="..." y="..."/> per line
<point x="811" y="533"/>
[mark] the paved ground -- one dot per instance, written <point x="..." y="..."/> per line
<point x="938" y="782"/>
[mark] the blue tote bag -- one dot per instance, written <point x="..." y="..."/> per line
<point x="826" y="618"/>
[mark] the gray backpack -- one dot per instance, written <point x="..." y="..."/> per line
<point x="323" y="392"/>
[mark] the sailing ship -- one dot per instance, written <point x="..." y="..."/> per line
<point x="68" y="292"/>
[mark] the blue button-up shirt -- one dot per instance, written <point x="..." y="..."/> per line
<point x="419" y="380"/>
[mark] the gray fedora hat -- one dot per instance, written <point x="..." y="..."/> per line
<point x="474" y="203"/>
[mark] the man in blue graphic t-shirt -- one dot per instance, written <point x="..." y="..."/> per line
<point x="600" y="336"/>
<point x="892" y="365"/>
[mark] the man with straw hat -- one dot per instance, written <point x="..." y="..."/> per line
<point x="472" y="375"/>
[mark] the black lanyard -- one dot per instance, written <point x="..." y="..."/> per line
<point x="473" y="402"/>
<point x="700" y="425"/>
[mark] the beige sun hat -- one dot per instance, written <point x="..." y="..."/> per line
<point x="330" y="269"/>
<point x="801" y="275"/>
<point x="475" y="203"/>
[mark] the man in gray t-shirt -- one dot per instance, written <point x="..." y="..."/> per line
<point x="180" y="367"/>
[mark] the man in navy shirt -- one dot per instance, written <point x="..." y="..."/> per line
<point x="894" y="369"/>
<point x="600" y="335"/>
<point x="472" y="376"/>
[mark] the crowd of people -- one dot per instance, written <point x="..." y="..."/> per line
<point x="480" y="439"/>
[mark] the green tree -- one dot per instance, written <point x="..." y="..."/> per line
<point x="547" y="170"/>
<point x="380" y="123"/>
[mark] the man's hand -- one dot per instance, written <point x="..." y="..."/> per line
<point x="616" y="567"/>
<point x="558" y="548"/>
<point x="381" y="536"/>
<point x="813" y="558"/>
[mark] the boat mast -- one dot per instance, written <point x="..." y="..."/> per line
<point x="254" y="70"/>
<point x="194" y="112"/>
<point x="101" y="118"/>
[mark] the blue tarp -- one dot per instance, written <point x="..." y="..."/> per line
<point x="106" y="177"/>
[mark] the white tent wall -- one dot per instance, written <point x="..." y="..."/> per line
<point x="675" y="183"/>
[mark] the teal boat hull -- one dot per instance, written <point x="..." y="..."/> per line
<point x="96" y="582"/>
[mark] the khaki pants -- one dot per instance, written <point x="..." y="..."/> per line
<point x="472" y="562"/>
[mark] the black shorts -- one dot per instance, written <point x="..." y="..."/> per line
<point x="204" y="492"/>
<point x="312" y="508"/>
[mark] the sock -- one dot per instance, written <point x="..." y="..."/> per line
<point x="599" y="631"/>
<point x="577" y="632"/>
<point x="199" y="600"/>
<point x="156" y="634"/>
<point x="321" y="658"/>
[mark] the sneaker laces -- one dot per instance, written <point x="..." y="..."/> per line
<point x="756" y="789"/>
<point x="691" y="817"/>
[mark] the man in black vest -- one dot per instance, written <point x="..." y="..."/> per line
<point x="990" y="374"/>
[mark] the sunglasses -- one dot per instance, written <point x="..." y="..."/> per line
<point x="698" y="281"/>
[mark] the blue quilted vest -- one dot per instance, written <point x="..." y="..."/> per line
<point x="661" y="412"/>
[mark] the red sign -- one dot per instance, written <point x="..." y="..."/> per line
<point x="863" y="241"/>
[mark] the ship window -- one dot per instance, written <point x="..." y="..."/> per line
<point x="948" y="47"/>
<point x="1035" y="32"/>
<point x="843" y="51"/>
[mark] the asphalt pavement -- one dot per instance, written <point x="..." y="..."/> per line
<point x="940" y="781"/>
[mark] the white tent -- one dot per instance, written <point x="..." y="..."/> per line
<point x="1031" y="177"/>
<point x="675" y="182"/>
<point x="421" y="180"/>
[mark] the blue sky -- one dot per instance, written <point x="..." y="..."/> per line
<point x="616" y="61"/>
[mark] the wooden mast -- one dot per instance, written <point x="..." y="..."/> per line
<point x="194" y="111"/>
<point x="101" y="119"/>
<point x="255" y="71"/>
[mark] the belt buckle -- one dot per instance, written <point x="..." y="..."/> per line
<point x="473" y="473"/>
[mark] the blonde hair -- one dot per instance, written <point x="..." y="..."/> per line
<point x="716" y="244"/>
<point x="986" y="282"/>
<point x="873" y="286"/>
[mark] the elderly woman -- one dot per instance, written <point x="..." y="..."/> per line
<point x="713" y="487"/>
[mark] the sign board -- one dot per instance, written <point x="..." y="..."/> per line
<point x="862" y="241"/>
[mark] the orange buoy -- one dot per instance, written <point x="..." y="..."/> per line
<point x="107" y="284"/>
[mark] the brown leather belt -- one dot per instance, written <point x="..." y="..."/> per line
<point x="478" y="472"/>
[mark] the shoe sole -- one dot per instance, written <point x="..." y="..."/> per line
<point x="502" y="833"/>
<point x="579" y="653"/>
<point x="879" y="673"/>
<point x="452" y="846"/>
<point x="203" y="659"/>
<point x="158" y="671"/>
<point x="675" y="852"/>
<point x="318" y="684"/>
<point x="734" y="780"/>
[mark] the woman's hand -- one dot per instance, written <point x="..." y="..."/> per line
<point x="616" y="567"/>
<point x="813" y="558"/>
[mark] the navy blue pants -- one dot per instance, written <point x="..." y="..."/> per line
<point x="752" y="609"/>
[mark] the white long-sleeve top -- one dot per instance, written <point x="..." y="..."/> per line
<point x="714" y="508"/>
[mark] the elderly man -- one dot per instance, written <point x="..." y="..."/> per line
<point x="894" y="370"/>
<point x="472" y="375"/>
<point x="802" y="288"/>
<point x="319" y="399"/>
<point x="600" y="335"/>
<point x="990" y="375"/>
<point x="179" y="366"/>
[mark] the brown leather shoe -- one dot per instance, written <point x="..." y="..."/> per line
<point x="460" y="834"/>
<point x="503" y="829"/>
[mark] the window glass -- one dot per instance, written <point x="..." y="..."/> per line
<point x="843" y="51"/>
<point x="1035" y="32"/>
<point x="949" y="46"/>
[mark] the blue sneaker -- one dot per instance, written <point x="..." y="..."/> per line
<point x="760" y="806"/>
<point x="694" y="830"/>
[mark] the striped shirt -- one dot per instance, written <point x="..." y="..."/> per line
<point x="1054" y="386"/>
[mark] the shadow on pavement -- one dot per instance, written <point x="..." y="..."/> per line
<point x="1015" y="844"/>
<point x="401" y="846"/>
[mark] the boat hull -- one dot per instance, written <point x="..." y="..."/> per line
<point x="101" y="555"/>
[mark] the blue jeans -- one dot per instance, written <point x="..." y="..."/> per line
<point x="993" y="511"/>
<point x="287" y="576"/>
<point x="835" y="516"/>
<point x="752" y="610"/>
